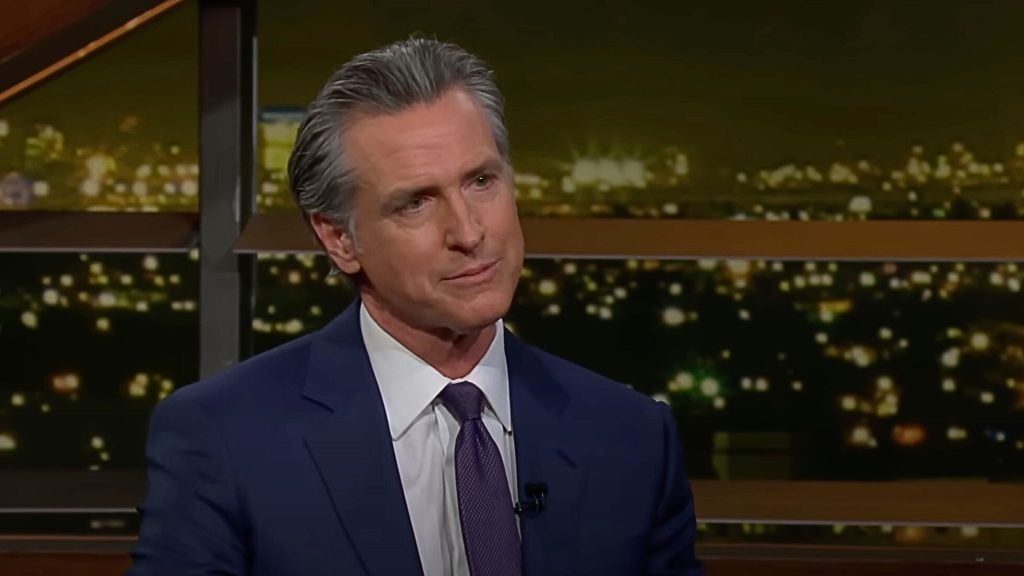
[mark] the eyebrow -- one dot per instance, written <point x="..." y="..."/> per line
<point x="489" y="165"/>
<point x="400" y="196"/>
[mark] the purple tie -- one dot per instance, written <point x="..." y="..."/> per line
<point x="485" y="505"/>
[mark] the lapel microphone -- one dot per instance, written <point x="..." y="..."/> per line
<point x="534" y="503"/>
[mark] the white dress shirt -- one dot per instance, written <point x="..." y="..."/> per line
<point x="423" y="434"/>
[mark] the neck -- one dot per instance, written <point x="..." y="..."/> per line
<point x="453" y="354"/>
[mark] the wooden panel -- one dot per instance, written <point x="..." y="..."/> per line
<point x="70" y="564"/>
<point x="934" y="502"/>
<point x="45" y="231"/>
<point x="871" y="240"/>
<point x="721" y="553"/>
<point x="26" y="23"/>
<point x="854" y="568"/>
<point x="36" y="489"/>
<point x="586" y="238"/>
<point x="82" y="564"/>
<point x="39" y="39"/>
<point x="920" y="502"/>
<point x="276" y="232"/>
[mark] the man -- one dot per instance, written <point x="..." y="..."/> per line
<point x="413" y="435"/>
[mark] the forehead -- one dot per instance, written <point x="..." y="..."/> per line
<point x="452" y="132"/>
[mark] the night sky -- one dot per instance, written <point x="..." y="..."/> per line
<point x="740" y="84"/>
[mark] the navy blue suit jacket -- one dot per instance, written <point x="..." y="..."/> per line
<point x="284" y="465"/>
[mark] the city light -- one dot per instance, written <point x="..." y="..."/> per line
<point x="547" y="287"/>
<point x="65" y="383"/>
<point x="673" y="316"/>
<point x="7" y="442"/>
<point x="980" y="341"/>
<point x="30" y="319"/>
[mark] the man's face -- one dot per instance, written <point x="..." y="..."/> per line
<point x="437" y="237"/>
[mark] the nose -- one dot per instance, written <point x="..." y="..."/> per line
<point x="464" y="231"/>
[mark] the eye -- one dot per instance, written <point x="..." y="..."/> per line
<point x="484" y="180"/>
<point x="414" y="204"/>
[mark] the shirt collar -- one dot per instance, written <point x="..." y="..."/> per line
<point x="408" y="384"/>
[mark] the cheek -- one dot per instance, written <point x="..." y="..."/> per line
<point x="415" y="267"/>
<point x="503" y="219"/>
<point x="405" y="252"/>
<point x="512" y="234"/>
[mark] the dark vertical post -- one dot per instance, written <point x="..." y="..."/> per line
<point x="227" y="105"/>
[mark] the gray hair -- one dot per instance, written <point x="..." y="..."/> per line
<point x="381" y="82"/>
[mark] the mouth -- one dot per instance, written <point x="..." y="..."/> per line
<point x="478" y="273"/>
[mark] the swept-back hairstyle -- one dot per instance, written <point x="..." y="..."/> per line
<point x="384" y="81"/>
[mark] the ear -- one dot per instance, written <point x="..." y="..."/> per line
<point x="339" y="243"/>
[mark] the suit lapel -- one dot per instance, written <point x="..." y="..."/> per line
<point x="353" y="452"/>
<point x="546" y="452"/>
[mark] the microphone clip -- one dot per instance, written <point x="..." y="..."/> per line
<point x="534" y="501"/>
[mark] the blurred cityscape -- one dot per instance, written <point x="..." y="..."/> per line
<point x="775" y="369"/>
<point x="41" y="168"/>
<point x="89" y="345"/>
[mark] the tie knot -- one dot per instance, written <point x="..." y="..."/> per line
<point x="464" y="399"/>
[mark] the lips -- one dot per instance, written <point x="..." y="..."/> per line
<point x="475" y="272"/>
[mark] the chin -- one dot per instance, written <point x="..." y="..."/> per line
<point x="481" y="312"/>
